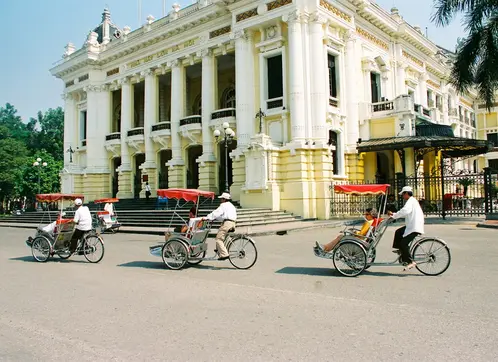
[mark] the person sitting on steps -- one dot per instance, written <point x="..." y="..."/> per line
<point x="370" y="217"/>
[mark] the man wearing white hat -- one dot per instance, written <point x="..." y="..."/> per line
<point x="83" y="220"/>
<point x="414" y="226"/>
<point x="227" y="214"/>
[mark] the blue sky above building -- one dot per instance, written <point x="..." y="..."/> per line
<point x="35" y="33"/>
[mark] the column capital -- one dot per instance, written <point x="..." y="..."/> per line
<point x="174" y="63"/>
<point x="204" y="53"/>
<point x="350" y="35"/>
<point x="317" y="18"/>
<point x="293" y="17"/>
<point x="423" y="77"/>
<point x="238" y="34"/>
<point x="67" y="96"/>
<point x="147" y="72"/>
<point x="124" y="80"/>
<point x="401" y="64"/>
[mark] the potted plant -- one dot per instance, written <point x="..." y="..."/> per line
<point x="465" y="182"/>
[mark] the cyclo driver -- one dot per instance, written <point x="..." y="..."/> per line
<point x="227" y="213"/>
<point x="83" y="220"/>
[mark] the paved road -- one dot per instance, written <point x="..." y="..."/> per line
<point x="291" y="306"/>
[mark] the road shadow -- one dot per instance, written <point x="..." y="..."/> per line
<point x="330" y="272"/>
<point x="30" y="259"/>
<point x="159" y="265"/>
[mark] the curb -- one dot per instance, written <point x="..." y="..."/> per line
<point x="486" y="226"/>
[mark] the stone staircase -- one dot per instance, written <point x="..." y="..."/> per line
<point x="142" y="214"/>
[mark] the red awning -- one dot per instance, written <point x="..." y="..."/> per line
<point x="105" y="201"/>
<point x="185" y="194"/>
<point x="57" y="197"/>
<point x="361" y="189"/>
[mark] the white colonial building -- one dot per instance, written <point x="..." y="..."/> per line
<point x="329" y="77"/>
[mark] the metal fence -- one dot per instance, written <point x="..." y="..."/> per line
<point x="451" y="195"/>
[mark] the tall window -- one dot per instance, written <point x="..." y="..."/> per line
<point x="228" y="99"/>
<point x="275" y="77"/>
<point x="430" y="100"/>
<point x="332" y="65"/>
<point x="375" y="86"/>
<point x="335" y="158"/>
<point x="439" y="104"/>
<point x="83" y="125"/>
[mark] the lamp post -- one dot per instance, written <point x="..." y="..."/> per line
<point x="39" y="164"/>
<point x="227" y="137"/>
<point x="260" y="115"/>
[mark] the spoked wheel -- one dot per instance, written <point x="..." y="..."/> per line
<point x="40" y="249"/>
<point x="349" y="259"/>
<point x="93" y="248"/>
<point x="202" y="255"/>
<point x="432" y="257"/>
<point x="242" y="252"/>
<point x="370" y="258"/>
<point x="175" y="254"/>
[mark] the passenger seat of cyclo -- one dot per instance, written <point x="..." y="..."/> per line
<point x="376" y="222"/>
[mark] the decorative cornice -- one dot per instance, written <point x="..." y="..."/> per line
<point x="335" y="11"/>
<point x="433" y="84"/>
<point x="465" y="102"/>
<point x="112" y="72"/>
<point x="277" y="4"/>
<point x="412" y="58"/>
<point x="365" y="34"/>
<point x="317" y="18"/>
<point x="70" y="83"/>
<point x="220" y="31"/>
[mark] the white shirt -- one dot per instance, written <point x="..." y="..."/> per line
<point x="83" y="218"/>
<point x="50" y="228"/>
<point x="414" y="217"/>
<point x="109" y="208"/>
<point x="147" y="188"/>
<point x="225" y="211"/>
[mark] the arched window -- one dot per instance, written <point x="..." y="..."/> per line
<point x="228" y="98"/>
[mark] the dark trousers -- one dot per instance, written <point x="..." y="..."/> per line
<point x="147" y="194"/>
<point x="403" y="243"/>
<point x="77" y="235"/>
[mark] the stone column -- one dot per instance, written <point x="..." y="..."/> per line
<point x="176" y="170"/>
<point x="318" y="77"/>
<point x="207" y="162"/>
<point x="69" y="127"/>
<point x="125" y="182"/>
<point x="401" y="79"/>
<point x="244" y="88"/>
<point x="149" y="168"/>
<point x="445" y="110"/>
<point x="296" y="77"/>
<point x="422" y="87"/>
<point x="352" y="127"/>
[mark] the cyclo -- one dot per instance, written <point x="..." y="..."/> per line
<point x="106" y="220"/>
<point x="56" y="238"/>
<point x="354" y="254"/>
<point x="190" y="247"/>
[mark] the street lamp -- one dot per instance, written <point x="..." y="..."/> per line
<point x="38" y="163"/>
<point x="228" y="135"/>
<point x="260" y="115"/>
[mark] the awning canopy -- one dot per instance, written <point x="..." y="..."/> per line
<point x="450" y="146"/>
<point x="57" y="197"/>
<point x="185" y="194"/>
<point x="377" y="189"/>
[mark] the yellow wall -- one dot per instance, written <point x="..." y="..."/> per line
<point x="382" y="128"/>
<point x="491" y="120"/>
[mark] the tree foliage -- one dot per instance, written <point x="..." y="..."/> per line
<point x="20" y="146"/>
<point x="476" y="60"/>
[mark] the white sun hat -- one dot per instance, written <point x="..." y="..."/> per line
<point x="78" y="202"/>
<point x="225" y="196"/>
<point x="406" y="189"/>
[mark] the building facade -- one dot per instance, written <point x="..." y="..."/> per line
<point x="326" y="75"/>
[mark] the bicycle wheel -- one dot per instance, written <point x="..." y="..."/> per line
<point x="175" y="254"/>
<point x="40" y="249"/>
<point x="432" y="257"/>
<point x="202" y="254"/>
<point x="242" y="252"/>
<point x="93" y="248"/>
<point x="349" y="259"/>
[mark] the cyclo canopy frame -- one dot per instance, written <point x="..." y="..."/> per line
<point x="52" y="198"/>
<point x="189" y="195"/>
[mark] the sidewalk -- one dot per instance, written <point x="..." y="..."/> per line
<point x="297" y="226"/>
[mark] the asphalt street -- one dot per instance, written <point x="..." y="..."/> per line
<point x="291" y="306"/>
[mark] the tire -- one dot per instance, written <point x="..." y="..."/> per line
<point x="202" y="254"/>
<point x="371" y="258"/>
<point x="350" y="259"/>
<point x="41" y="249"/>
<point x="175" y="254"/>
<point x="242" y="248"/>
<point x="91" y="246"/>
<point x="432" y="256"/>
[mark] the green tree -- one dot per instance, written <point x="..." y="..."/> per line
<point x="50" y="135"/>
<point x="476" y="60"/>
<point x="13" y="157"/>
<point x="49" y="175"/>
<point x="13" y="123"/>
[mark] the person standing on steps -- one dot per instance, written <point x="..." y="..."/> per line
<point x="414" y="226"/>
<point x="227" y="214"/>
<point x="147" y="191"/>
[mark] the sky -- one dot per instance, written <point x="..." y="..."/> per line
<point x="35" y="33"/>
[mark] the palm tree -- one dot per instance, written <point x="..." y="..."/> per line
<point x="476" y="60"/>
